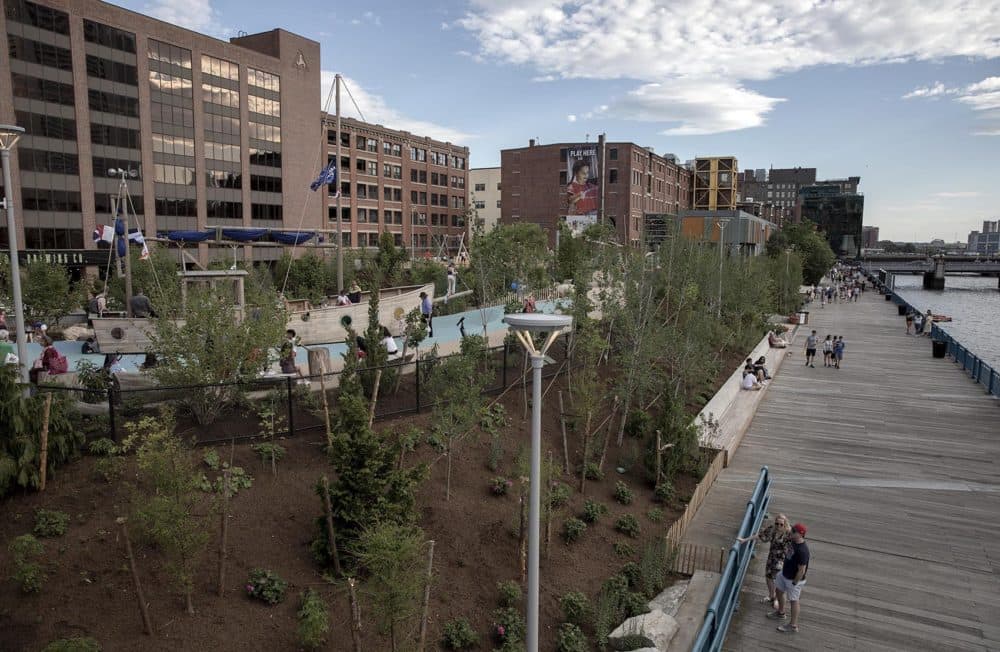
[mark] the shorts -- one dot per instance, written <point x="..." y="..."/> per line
<point x="785" y="585"/>
<point x="811" y="352"/>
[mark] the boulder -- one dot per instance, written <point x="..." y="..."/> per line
<point x="670" y="599"/>
<point x="654" y="629"/>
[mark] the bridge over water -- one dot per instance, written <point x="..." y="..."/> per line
<point x="933" y="268"/>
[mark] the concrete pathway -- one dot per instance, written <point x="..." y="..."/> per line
<point x="893" y="462"/>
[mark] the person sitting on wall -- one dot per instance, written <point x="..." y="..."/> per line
<point x="355" y="293"/>
<point x="89" y="346"/>
<point x="750" y="381"/>
<point x="776" y="341"/>
<point x="760" y="368"/>
<point x="342" y="299"/>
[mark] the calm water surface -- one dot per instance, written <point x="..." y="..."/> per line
<point x="974" y="304"/>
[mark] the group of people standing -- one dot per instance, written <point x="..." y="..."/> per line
<point x="833" y="350"/>
<point x="785" y="570"/>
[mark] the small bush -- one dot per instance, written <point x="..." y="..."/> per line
<point x="573" y="529"/>
<point x="664" y="492"/>
<point x="655" y="515"/>
<point x="437" y="441"/>
<point x="631" y="642"/>
<point x="628" y="525"/>
<point x="571" y="639"/>
<point x="459" y="634"/>
<point x="575" y="607"/>
<point x="500" y="485"/>
<point x="623" y="549"/>
<point x="266" y="585"/>
<point x="314" y="620"/>
<point x="593" y="472"/>
<point x="50" y="523"/>
<point x="25" y="551"/>
<point x="102" y="447"/>
<point x="109" y="468"/>
<point x="631" y="572"/>
<point x="510" y="594"/>
<point x="623" y="494"/>
<point x="634" y="604"/>
<point x="559" y="495"/>
<point x="266" y="449"/>
<point x="73" y="645"/>
<point x="508" y="627"/>
<point x="593" y="511"/>
<point x="212" y="460"/>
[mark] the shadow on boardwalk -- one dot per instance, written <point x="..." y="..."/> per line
<point x="893" y="461"/>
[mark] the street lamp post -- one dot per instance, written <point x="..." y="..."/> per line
<point x="524" y="325"/>
<point x="721" y="223"/>
<point x="8" y="138"/>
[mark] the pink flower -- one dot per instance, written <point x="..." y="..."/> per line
<point x="249" y="588"/>
<point x="500" y="630"/>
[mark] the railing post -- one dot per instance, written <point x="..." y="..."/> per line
<point x="113" y="431"/>
<point x="416" y="374"/>
<point x="291" y="415"/>
<point x="504" y="363"/>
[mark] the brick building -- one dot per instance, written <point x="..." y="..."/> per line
<point x="411" y="186"/>
<point x="636" y="182"/>
<point x="484" y="196"/>
<point x="198" y="124"/>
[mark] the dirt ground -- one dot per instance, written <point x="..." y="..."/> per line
<point x="89" y="591"/>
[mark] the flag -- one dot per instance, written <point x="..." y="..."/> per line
<point x="135" y="236"/>
<point x="327" y="176"/>
<point x="104" y="233"/>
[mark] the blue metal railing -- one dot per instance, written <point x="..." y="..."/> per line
<point x="972" y="364"/>
<point x="727" y="593"/>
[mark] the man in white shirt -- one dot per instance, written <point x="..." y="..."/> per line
<point x="342" y="299"/>
<point x="750" y="381"/>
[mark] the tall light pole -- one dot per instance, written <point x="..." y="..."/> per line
<point x="524" y="325"/>
<point x="8" y="138"/>
<point x="720" y="222"/>
<point x="340" y="218"/>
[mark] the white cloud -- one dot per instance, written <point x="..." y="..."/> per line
<point x="959" y="194"/>
<point x="375" y="110"/>
<point x="937" y="90"/>
<point x="701" y="44"/>
<point x="571" y="118"/>
<point x="982" y="96"/>
<point x="197" y="15"/>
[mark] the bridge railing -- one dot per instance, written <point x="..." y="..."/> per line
<point x="972" y="364"/>
<point x="719" y="613"/>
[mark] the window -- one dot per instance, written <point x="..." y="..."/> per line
<point x="265" y="211"/>
<point x="613" y="175"/>
<point x="42" y="54"/>
<point x="220" y="68"/>
<point x="457" y="202"/>
<point x="391" y="149"/>
<point x="458" y="162"/>
<point x="419" y="219"/>
<point x="102" y="203"/>
<point x="480" y="187"/>
<point x="263" y="80"/>
<point x="112" y="103"/>
<point x="227" y="97"/>
<point x="345" y="213"/>
<point x="227" y="210"/>
<point x="44" y="238"/>
<point x="176" y="145"/>
<point x="371" y="145"/>
<point x="46" y="199"/>
<point x="221" y="152"/>
<point x="613" y="154"/>
<point x="392" y="194"/>
<point x="50" y="126"/>
<point x="28" y="13"/>
<point x="45" y="90"/>
<point x="458" y="182"/>
<point x="165" y="53"/>
<point x="418" y="176"/>
<point x="223" y="179"/>
<point x="373" y="168"/>
<point x="362" y="215"/>
<point x="345" y="188"/>
<point x="264" y="106"/>
<point x="480" y="204"/>
<point x="417" y="154"/>
<point x="498" y="203"/>
<point x="439" y="159"/>
<point x="112" y="70"/>
<point x="265" y="184"/>
<point x="176" y="174"/>
<point x="170" y="207"/>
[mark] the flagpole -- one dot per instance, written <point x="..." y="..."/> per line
<point x="340" y="220"/>
<point x="123" y="188"/>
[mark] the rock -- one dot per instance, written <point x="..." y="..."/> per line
<point x="655" y="629"/>
<point x="77" y="333"/>
<point x="670" y="599"/>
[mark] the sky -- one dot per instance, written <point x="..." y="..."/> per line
<point x="903" y="93"/>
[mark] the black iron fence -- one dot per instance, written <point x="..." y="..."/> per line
<point x="285" y="405"/>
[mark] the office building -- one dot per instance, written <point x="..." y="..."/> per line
<point x="198" y="125"/>
<point x="836" y="213"/>
<point x="413" y="187"/>
<point x="550" y="184"/>
<point x="869" y="237"/>
<point x="987" y="241"/>
<point x="715" y="184"/>
<point x="484" y="197"/>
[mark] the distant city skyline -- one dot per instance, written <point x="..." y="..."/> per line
<point x="851" y="88"/>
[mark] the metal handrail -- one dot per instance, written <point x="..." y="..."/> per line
<point x="719" y="613"/>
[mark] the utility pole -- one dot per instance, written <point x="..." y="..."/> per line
<point x="340" y="218"/>
<point x="721" y="223"/>
<point x="8" y="138"/>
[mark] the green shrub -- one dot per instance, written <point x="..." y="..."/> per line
<point x="664" y="492"/>
<point x="25" y="551"/>
<point x="50" y="523"/>
<point x="508" y="627"/>
<point x="631" y="572"/>
<point x="654" y="566"/>
<point x="73" y="645"/>
<point x="593" y="511"/>
<point x="500" y="485"/>
<point x="622" y="493"/>
<point x="510" y="594"/>
<point x="314" y="620"/>
<point x="458" y="634"/>
<point x="631" y="642"/>
<point x="571" y="639"/>
<point x="266" y="585"/>
<point x="559" y="495"/>
<point x="593" y="471"/>
<point x="573" y="529"/>
<point x="623" y="549"/>
<point x="103" y="447"/>
<point x="655" y="515"/>
<point x="109" y="468"/>
<point x="628" y="525"/>
<point x="575" y="607"/>
<point x="266" y="450"/>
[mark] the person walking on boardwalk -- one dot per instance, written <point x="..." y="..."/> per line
<point x="778" y="534"/>
<point x="811" y="349"/>
<point x="909" y="321"/>
<point x="838" y="350"/>
<point x="827" y="352"/>
<point x="792" y="578"/>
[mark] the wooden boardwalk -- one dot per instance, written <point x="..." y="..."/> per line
<point x="893" y="462"/>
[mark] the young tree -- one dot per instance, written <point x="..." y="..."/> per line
<point x="48" y="293"/>
<point x="393" y="557"/>
<point x="211" y="345"/>
<point x="157" y="275"/>
<point x="168" y="498"/>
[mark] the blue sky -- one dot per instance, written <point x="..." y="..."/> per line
<point x="904" y="94"/>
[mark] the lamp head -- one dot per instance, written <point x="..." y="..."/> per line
<point x="9" y="135"/>
<point x="525" y="324"/>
